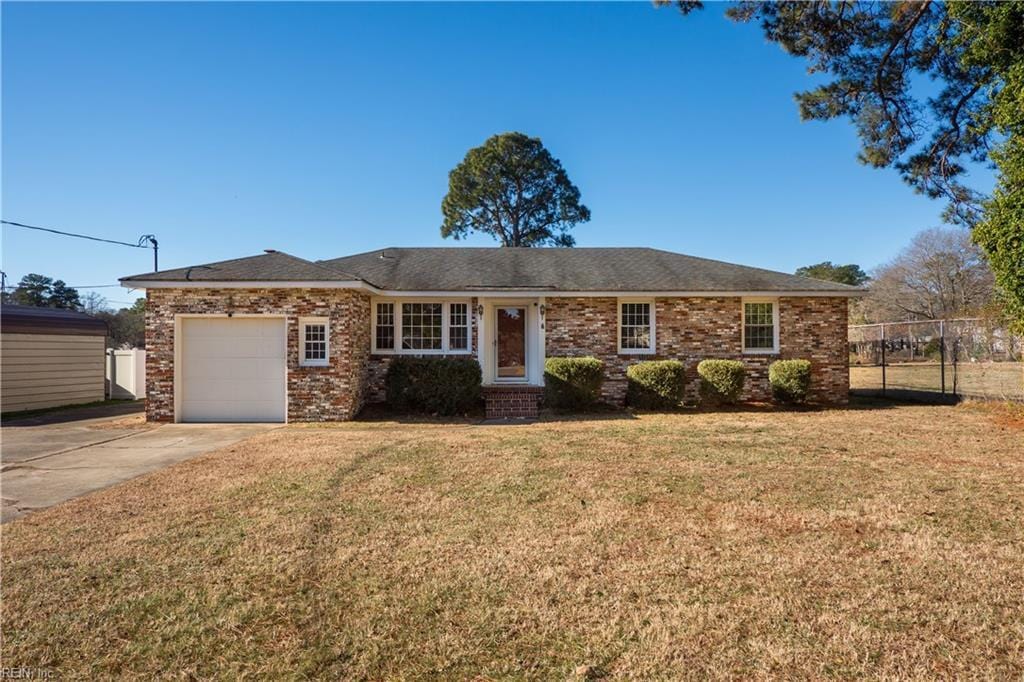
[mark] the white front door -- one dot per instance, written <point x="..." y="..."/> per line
<point x="510" y="343"/>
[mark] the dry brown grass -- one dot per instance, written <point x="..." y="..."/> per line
<point x="884" y="541"/>
<point x="134" y="421"/>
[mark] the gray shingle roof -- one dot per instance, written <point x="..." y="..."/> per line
<point x="467" y="269"/>
<point x="26" y="319"/>
<point x="270" y="266"/>
<point x="561" y="269"/>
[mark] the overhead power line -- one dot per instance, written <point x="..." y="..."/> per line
<point x="74" y="286"/>
<point x="145" y="241"/>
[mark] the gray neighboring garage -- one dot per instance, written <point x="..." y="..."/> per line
<point x="50" y="357"/>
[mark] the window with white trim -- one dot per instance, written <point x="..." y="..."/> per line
<point x="636" y="327"/>
<point x="384" y="332"/>
<point x="458" y="326"/>
<point x="314" y="333"/>
<point x="422" y="327"/>
<point x="760" y="327"/>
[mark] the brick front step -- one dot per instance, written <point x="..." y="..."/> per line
<point x="512" y="402"/>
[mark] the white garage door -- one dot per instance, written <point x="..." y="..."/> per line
<point x="233" y="369"/>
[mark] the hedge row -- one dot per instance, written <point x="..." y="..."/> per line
<point x="447" y="386"/>
<point x="575" y="383"/>
<point x="439" y="385"/>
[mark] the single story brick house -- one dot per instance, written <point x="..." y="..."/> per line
<point x="274" y="337"/>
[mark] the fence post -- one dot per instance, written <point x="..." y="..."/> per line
<point x="942" y="354"/>
<point x="883" y="360"/>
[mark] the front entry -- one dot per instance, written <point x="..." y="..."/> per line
<point x="510" y="356"/>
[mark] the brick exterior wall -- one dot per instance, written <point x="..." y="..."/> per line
<point x="688" y="329"/>
<point x="332" y="393"/>
<point x="692" y="329"/>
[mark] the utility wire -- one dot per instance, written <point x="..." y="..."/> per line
<point x="74" y="286"/>
<point x="145" y="241"/>
<point x="93" y="286"/>
<point x="72" y="234"/>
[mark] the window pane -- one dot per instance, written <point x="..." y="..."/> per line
<point x="635" y="332"/>
<point x="315" y="342"/>
<point x="511" y="343"/>
<point x="385" y="326"/>
<point x="458" y="326"/>
<point x="758" y="326"/>
<point x="421" y="326"/>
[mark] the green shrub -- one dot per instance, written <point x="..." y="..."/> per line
<point x="721" y="381"/>
<point x="655" y="384"/>
<point x="444" y="386"/>
<point x="790" y="380"/>
<point x="572" y="383"/>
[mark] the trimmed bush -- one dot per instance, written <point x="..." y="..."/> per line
<point x="572" y="383"/>
<point x="443" y="386"/>
<point x="721" y="381"/>
<point x="655" y="384"/>
<point x="790" y="380"/>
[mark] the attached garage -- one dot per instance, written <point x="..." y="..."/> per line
<point x="232" y="369"/>
<point x="50" y="357"/>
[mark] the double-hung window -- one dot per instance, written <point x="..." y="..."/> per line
<point x="416" y="327"/>
<point x="636" y="327"/>
<point x="760" y="326"/>
<point x="458" y="326"/>
<point x="314" y="341"/>
<point x="384" y="331"/>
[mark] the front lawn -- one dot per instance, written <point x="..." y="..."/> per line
<point x="882" y="540"/>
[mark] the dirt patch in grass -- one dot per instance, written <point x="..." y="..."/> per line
<point x="135" y="421"/>
<point x="882" y="540"/>
<point x="1005" y="414"/>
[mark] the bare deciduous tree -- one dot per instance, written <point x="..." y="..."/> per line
<point x="941" y="274"/>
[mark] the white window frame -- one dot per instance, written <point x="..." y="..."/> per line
<point x="314" y="321"/>
<point x="653" y="345"/>
<point x="774" y="350"/>
<point x="445" y="326"/>
<point x="447" y="317"/>
<point x="395" y="312"/>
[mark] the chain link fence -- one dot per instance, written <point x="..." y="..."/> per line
<point x="937" y="360"/>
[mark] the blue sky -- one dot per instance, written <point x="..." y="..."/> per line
<point x="329" y="129"/>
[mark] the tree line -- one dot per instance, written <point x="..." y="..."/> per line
<point x="126" y="325"/>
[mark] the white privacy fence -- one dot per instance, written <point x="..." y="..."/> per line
<point x="126" y="374"/>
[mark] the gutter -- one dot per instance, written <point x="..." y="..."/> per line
<point x="482" y="292"/>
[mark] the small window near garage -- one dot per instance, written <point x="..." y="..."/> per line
<point x="421" y="326"/>
<point x="760" y="327"/>
<point x="458" y="326"/>
<point x="313" y="337"/>
<point x="385" y="330"/>
<point x="636" y="327"/>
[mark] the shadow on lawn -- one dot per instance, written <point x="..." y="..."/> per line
<point x="73" y="413"/>
<point x="379" y="412"/>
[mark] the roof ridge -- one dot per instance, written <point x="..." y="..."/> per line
<point x="317" y="265"/>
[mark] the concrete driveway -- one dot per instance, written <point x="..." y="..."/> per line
<point x="45" y="464"/>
